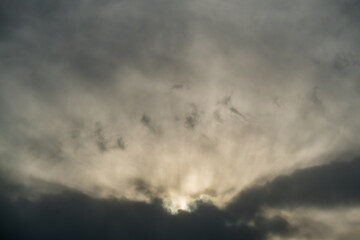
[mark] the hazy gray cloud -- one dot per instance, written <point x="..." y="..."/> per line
<point x="120" y="143"/>
<point x="95" y="94"/>
<point x="192" y="118"/>
<point x="148" y="122"/>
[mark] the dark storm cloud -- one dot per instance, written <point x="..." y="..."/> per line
<point x="326" y="186"/>
<point x="71" y="215"/>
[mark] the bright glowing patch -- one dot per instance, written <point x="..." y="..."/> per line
<point x="178" y="204"/>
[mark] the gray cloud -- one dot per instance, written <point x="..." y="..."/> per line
<point x="62" y="214"/>
<point x="192" y="118"/>
<point x="148" y="122"/>
<point x="95" y="94"/>
<point x="120" y="143"/>
<point x="325" y="186"/>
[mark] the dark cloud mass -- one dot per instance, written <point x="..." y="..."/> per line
<point x="325" y="186"/>
<point x="164" y="119"/>
<point x="72" y="215"/>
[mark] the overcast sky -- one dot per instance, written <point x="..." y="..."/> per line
<point x="164" y="119"/>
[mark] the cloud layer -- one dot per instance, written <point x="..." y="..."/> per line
<point x="182" y="102"/>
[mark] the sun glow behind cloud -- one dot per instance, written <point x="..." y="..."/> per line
<point x="180" y="112"/>
<point x="176" y="204"/>
<point x="236" y="139"/>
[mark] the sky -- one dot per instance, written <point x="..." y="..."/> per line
<point x="164" y="119"/>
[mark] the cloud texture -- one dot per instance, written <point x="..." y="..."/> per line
<point x="175" y="102"/>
